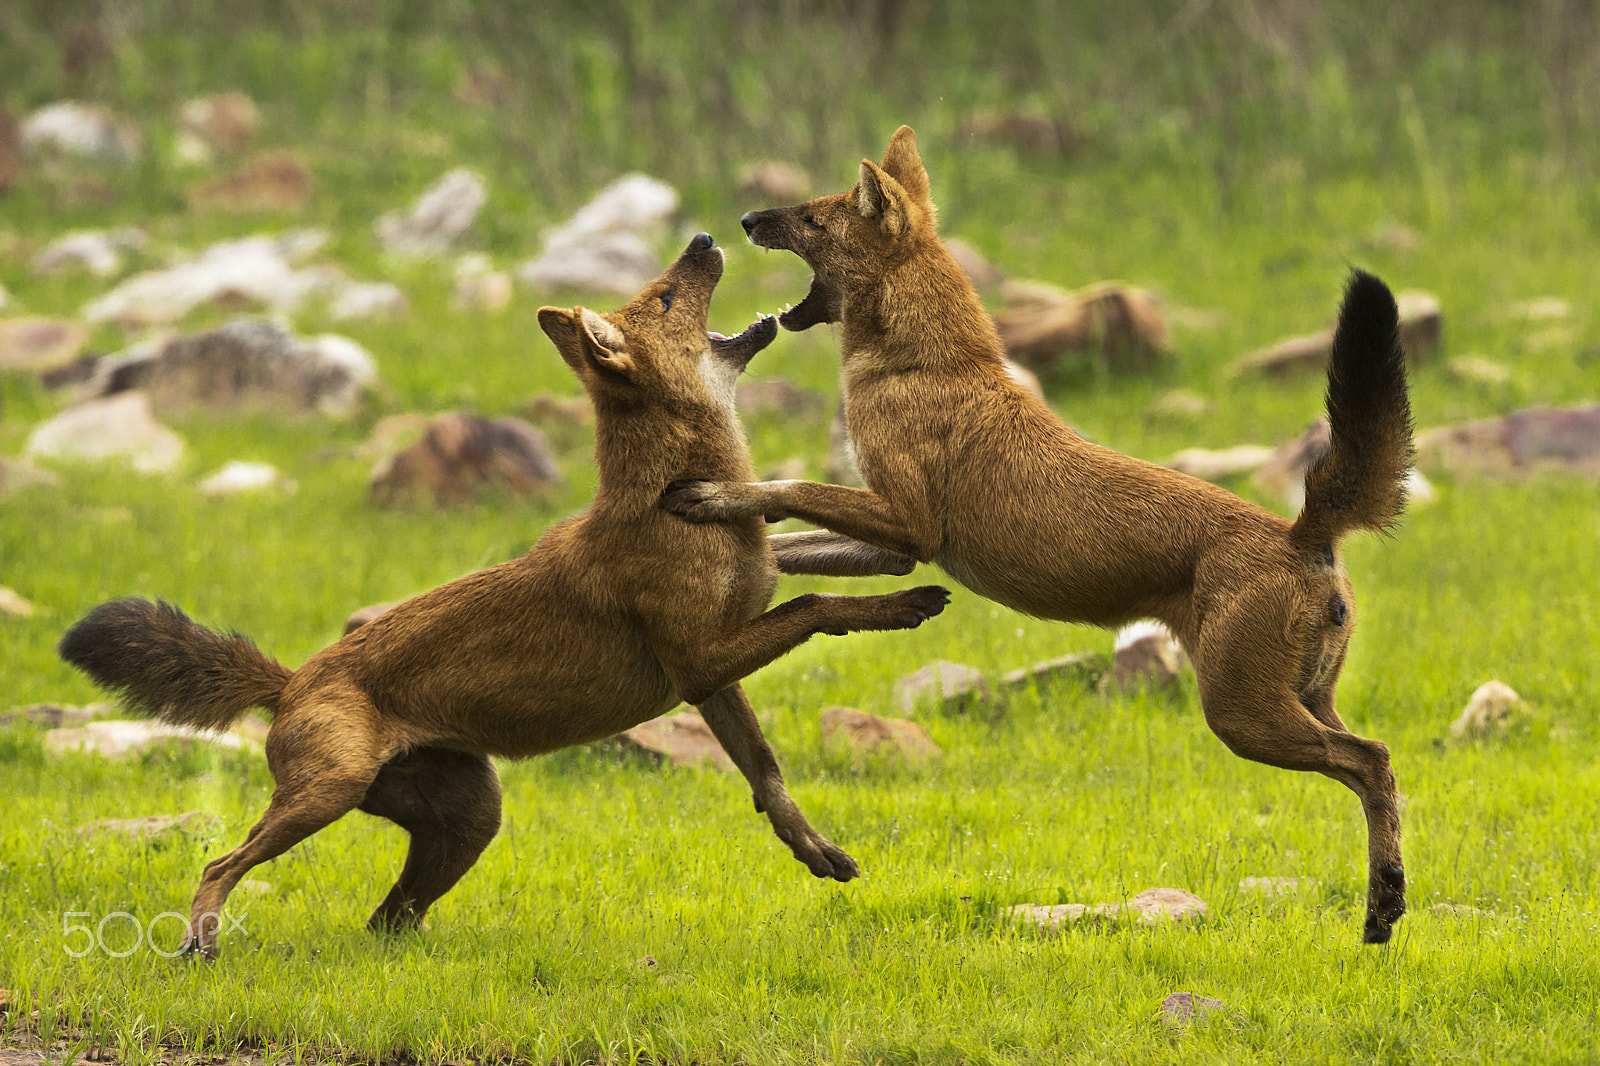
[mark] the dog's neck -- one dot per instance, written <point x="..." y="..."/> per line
<point x="640" y="451"/>
<point x="923" y="313"/>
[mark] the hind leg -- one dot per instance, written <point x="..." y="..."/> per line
<point x="449" y="801"/>
<point x="729" y="715"/>
<point x="323" y="759"/>
<point x="1251" y="707"/>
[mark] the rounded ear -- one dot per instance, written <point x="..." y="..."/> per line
<point x="881" y="197"/>
<point x="902" y="163"/>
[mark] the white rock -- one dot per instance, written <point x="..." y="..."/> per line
<point x="1419" y="490"/>
<point x="85" y="130"/>
<point x="438" y="219"/>
<point x="368" y="299"/>
<point x="1209" y="465"/>
<point x="96" y="251"/>
<point x="1494" y="706"/>
<point x="603" y="245"/>
<point x="356" y="371"/>
<point x="260" y="269"/>
<point x="479" y="286"/>
<point x="238" y="476"/>
<point x="116" y="739"/>
<point x="12" y="603"/>
<point x="116" y="427"/>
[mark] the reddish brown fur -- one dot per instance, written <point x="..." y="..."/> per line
<point x="611" y="619"/>
<point x="967" y="469"/>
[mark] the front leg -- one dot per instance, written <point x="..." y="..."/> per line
<point x="859" y="514"/>
<point x="729" y="715"/>
<point x="823" y="553"/>
<point x="700" y="668"/>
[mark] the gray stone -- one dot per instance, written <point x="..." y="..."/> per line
<point x="53" y="715"/>
<point x="1153" y="906"/>
<point x="118" y="739"/>
<point x="605" y="245"/>
<point x="119" y="427"/>
<point x="684" y="739"/>
<point x="367" y="614"/>
<point x="1120" y="325"/>
<point x="245" y="362"/>
<point x="1146" y="654"/>
<point x="778" y="396"/>
<point x="460" y="454"/>
<point x="1493" y="709"/>
<point x="983" y="274"/>
<point x="1221" y="464"/>
<point x="868" y="732"/>
<point x="1273" y="887"/>
<point x="156" y="829"/>
<point x="772" y="182"/>
<point x="1524" y="443"/>
<point x="39" y="343"/>
<point x="12" y="603"/>
<point x="1184" y="1008"/>
<point x="953" y="687"/>
<point x="1083" y="668"/>
<point x="439" y="218"/>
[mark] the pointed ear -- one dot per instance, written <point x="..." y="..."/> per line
<point x="879" y="196"/>
<point x="604" y="346"/>
<point x="587" y="341"/>
<point x="561" y="326"/>
<point x="902" y="163"/>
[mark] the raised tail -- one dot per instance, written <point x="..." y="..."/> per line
<point x="166" y="666"/>
<point x="1360" y="482"/>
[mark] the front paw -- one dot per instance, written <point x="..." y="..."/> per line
<point x="824" y="858"/>
<point x="912" y="607"/>
<point x="699" y="501"/>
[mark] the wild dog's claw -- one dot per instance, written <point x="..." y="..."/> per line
<point x="193" y="948"/>
<point x="1386" y="904"/>
<point x="920" y="604"/>
<point x="710" y="501"/>
<point x="828" y="860"/>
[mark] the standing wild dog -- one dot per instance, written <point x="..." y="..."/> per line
<point x="966" y="469"/>
<point x="611" y="619"/>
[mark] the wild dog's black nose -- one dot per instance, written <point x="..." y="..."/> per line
<point x="702" y="243"/>
<point x="748" y="221"/>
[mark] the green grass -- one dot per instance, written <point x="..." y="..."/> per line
<point x="1237" y="162"/>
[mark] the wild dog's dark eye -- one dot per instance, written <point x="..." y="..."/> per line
<point x="811" y="220"/>
<point x="666" y="301"/>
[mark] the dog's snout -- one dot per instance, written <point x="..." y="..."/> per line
<point x="748" y="222"/>
<point x="702" y="243"/>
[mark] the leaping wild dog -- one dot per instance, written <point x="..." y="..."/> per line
<point x="609" y="620"/>
<point x="968" y="470"/>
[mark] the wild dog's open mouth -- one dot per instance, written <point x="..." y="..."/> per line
<point x="821" y="304"/>
<point x="743" y="347"/>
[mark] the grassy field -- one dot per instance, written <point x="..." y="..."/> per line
<point x="1236" y="159"/>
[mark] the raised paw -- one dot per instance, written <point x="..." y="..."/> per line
<point x="705" y="501"/>
<point x="824" y="858"/>
<point x="915" y="606"/>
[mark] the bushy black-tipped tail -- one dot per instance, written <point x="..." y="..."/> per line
<point x="1360" y="482"/>
<point x="166" y="666"/>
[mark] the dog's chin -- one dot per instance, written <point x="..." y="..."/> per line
<point x="742" y="347"/>
<point x="821" y="305"/>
